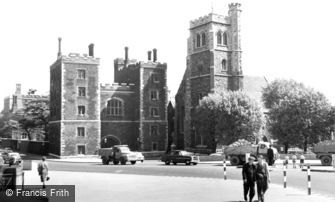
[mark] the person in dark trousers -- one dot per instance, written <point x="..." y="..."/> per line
<point x="43" y="170"/>
<point x="270" y="155"/>
<point x="249" y="178"/>
<point x="262" y="177"/>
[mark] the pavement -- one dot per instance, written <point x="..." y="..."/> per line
<point x="146" y="188"/>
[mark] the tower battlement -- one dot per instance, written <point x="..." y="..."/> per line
<point x="234" y="5"/>
<point x="117" y="87"/>
<point x="212" y="17"/>
<point x="80" y="58"/>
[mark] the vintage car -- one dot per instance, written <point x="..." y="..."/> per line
<point x="119" y="154"/>
<point x="11" y="158"/>
<point x="179" y="156"/>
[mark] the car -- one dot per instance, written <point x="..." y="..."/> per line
<point x="180" y="156"/>
<point x="140" y="156"/>
<point x="16" y="158"/>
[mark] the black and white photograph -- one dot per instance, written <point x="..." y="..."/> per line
<point x="167" y="101"/>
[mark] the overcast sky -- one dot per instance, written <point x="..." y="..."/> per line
<point x="280" y="38"/>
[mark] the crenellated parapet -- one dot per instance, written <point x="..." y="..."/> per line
<point x="212" y="17"/>
<point x="117" y="87"/>
<point x="80" y="58"/>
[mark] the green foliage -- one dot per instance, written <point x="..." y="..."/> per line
<point x="297" y="115"/>
<point x="228" y="117"/>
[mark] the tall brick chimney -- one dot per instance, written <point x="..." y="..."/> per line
<point x="59" y="47"/>
<point x="126" y="49"/>
<point x="155" y="54"/>
<point x="91" y="50"/>
<point x="149" y="55"/>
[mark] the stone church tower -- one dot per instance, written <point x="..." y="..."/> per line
<point x="213" y="65"/>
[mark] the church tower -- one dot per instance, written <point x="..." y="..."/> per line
<point x="213" y="64"/>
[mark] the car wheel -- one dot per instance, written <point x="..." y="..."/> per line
<point x="195" y="164"/>
<point x="167" y="162"/>
<point x="187" y="163"/>
<point x="142" y="161"/>
<point x="123" y="162"/>
<point x="326" y="160"/>
<point x="116" y="162"/>
<point x="133" y="162"/>
<point x="174" y="163"/>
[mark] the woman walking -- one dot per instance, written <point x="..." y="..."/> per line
<point x="262" y="178"/>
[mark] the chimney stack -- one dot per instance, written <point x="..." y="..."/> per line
<point x="18" y="89"/>
<point x="149" y="55"/>
<point x="155" y="54"/>
<point x="126" y="54"/>
<point x="59" y="54"/>
<point x="91" y="50"/>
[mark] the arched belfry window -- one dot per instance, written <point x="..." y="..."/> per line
<point x="224" y="65"/>
<point x="115" y="107"/>
<point x="203" y="39"/>
<point x="225" y="38"/>
<point x="219" y="37"/>
<point x="198" y="40"/>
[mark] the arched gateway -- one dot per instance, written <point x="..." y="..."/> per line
<point x="109" y="141"/>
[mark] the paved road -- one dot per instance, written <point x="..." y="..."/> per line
<point x="322" y="183"/>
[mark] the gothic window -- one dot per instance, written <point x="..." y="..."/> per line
<point x="155" y="78"/>
<point x="115" y="107"/>
<point x="198" y="40"/>
<point x="224" y="65"/>
<point x="225" y="38"/>
<point x="203" y="39"/>
<point x="154" y="130"/>
<point x="219" y="37"/>
<point x="81" y="149"/>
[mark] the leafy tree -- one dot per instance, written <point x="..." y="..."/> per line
<point x="36" y="117"/>
<point x="297" y="115"/>
<point x="228" y="117"/>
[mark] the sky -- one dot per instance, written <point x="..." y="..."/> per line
<point x="280" y="38"/>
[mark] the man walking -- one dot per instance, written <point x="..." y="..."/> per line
<point x="270" y="155"/>
<point x="262" y="178"/>
<point x="43" y="170"/>
<point x="249" y="178"/>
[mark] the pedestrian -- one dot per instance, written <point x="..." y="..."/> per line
<point x="294" y="160"/>
<point x="43" y="171"/>
<point x="249" y="178"/>
<point x="270" y="155"/>
<point x="287" y="158"/>
<point x="262" y="177"/>
<point x="302" y="160"/>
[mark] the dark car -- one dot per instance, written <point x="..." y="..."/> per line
<point x="179" y="156"/>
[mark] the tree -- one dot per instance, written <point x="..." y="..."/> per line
<point x="228" y="117"/>
<point x="298" y="115"/>
<point x="36" y="117"/>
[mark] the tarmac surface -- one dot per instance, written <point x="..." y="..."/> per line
<point x="119" y="187"/>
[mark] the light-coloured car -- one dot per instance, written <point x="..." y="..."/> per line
<point x="140" y="156"/>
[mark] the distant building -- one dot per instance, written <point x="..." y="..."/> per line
<point x="86" y="115"/>
<point x="16" y="104"/>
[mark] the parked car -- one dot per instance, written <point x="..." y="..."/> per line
<point x="180" y="156"/>
<point x="15" y="158"/>
<point x="140" y="156"/>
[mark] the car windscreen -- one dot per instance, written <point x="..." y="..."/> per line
<point x="185" y="153"/>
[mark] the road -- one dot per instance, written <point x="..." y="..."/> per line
<point x="322" y="183"/>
